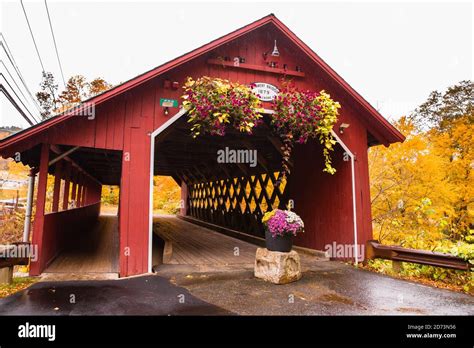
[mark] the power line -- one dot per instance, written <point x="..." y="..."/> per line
<point x="8" y="83"/>
<point x="9" y="54"/>
<point x="13" y="102"/>
<point x="32" y="36"/>
<point x="18" y="87"/>
<point x="55" y="46"/>
<point x="21" y="78"/>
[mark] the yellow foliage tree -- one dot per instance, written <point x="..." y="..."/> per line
<point x="412" y="197"/>
<point x="166" y="195"/>
<point x="455" y="147"/>
<point x="423" y="189"/>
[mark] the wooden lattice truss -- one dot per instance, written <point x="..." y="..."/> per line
<point x="238" y="203"/>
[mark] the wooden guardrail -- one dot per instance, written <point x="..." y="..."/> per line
<point x="7" y="262"/>
<point x="6" y="250"/>
<point x="376" y="250"/>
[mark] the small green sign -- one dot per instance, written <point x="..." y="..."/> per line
<point x="168" y="103"/>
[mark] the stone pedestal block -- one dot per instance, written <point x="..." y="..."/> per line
<point x="277" y="267"/>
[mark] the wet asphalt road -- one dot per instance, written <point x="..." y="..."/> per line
<point x="147" y="295"/>
<point x="327" y="288"/>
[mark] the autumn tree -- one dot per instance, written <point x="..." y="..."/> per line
<point x="77" y="90"/>
<point x="450" y="116"/>
<point x="166" y="195"/>
<point x="110" y="195"/>
<point x="454" y="145"/>
<point x="46" y="97"/>
<point x="423" y="189"/>
<point x="97" y="86"/>
<point x="440" y="110"/>
<point x="411" y="194"/>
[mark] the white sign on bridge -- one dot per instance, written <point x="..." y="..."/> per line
<point x="265" y="91"/>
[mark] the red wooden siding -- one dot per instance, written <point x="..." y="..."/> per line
<point x="58" y="227"/>
<point x="50" y="230"/>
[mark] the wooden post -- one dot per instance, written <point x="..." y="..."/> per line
<point x="397" y="266"/>
<point x="369" y="250"/>
<point x="74" y="185"/>
<point x="36" y="267"/>
<point x="134" y="207"/>
<point x="57" y="185"/>
<point x="184" y="199"/>
<point x="85" y="195"/>
<point x="80" y="186"/>
<point x="83" y="190"/>
<point x="67" y="184"/>
<point x="6" y="275"/>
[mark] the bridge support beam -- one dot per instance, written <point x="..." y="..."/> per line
<point x="37" y="266"/>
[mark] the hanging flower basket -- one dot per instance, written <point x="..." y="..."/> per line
<point x="300" y="115"/>
<point x="214" y="104"/>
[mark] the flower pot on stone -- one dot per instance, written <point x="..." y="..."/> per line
<point x="280" y="228"/>
<point x="278" y="243"/>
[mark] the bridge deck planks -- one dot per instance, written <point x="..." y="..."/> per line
<point x="197" y="245"/>
<point x="96" y="251"/>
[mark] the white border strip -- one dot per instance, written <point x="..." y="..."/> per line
<point x="354" y="205"/>
<point x="152" y="165"/>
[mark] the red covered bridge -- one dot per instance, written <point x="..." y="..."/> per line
<point x="133" y="136"/>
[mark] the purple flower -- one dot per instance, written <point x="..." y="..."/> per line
<point x="284" y="222"/>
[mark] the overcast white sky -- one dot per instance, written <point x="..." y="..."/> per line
<point x="393" y="54"/>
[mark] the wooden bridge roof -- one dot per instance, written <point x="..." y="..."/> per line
<point x="379" y="127"/>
